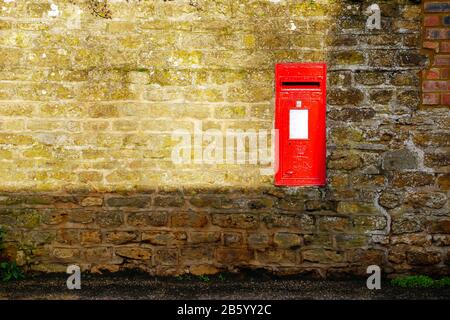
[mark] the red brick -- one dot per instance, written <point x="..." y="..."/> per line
<point x="432" y="21"/>
<point x="444" y="73"/>
<point x="433" y="74"/>
<point x="445" y="46"/>
<point x="434" y="45"/>
<point x="435" y="86"/>
<point x="442" y="60"/>
<point x="436" y="33"/>
<point x="431" y="98"/>
<point x="446" y="99"/>
<point x="443" y="6"/>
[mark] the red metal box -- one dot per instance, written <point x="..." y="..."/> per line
<point x="300" y="123"/>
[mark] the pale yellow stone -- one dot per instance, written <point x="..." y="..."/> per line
<point x="92" y="104"/>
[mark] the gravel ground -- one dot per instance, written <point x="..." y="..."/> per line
<point x="233" y="287"/>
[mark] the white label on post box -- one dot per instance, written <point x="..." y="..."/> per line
<point x="298" y="124"/>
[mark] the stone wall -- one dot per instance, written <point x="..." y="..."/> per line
<point x="90" y="94"/>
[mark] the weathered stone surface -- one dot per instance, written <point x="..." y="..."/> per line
<point x="197" y="255"/>
<point x="349" y="207"/>
<point x="437" y="159"/>
<point x="98" y="254"/>
<point x="66" y="253"/>
<point x="232" y="239"/>
<point x="344" y="161"/>
<point x="244" y="221"/>
<point x="109" y="219"/>
<point x="389" y="199"/>
<point x="346" y="134"/>
<point x="278" y="257"/>
<point x="409" y="98"/>
<point x="136" y="253"/>
<point x="433" y="200"/>
<point x="347" y="57"/>
<point x="84" y="217"/>
<point x="421" y="257"/>
<point x="322" y="256"/>
<point x="406" y="224"/>
<point x="319" y="240"/>
<point x="189" y="219"/>
<point x="430" y="138"/>
<point x="381" y="96"/>
<point x="258" y="204"/>
<point x="344" y="241"/>
<point x="204" y="237"/>
<point x="287" y="240"/>
<point x="352" y="114"/>
<point x="440" y="226"/>
<point x="210" y="201"/>
<point x="365" y="257"/>
<point x="291" y="204"/>
<point x="39" y="237"/>
<point x="68" y="236"/>
<point x="230" y="256"/>
<point x="168" y="201"/>
<point x="51" y="218"/>
<point x="441" y="240"/>
<point x="315" y="205"/>
<point x="345" y="96"/>
<point x="164" y="238"/>
<point x="105" y="268"/>
<point x="404" y="79"/>
<point x="330" y="223"/>
<point x="92" y="202"/>
<point x="147" y="219"/>
<point x="120" y="237"/>
<point x="412" y="179"/>
<point x="339" y="78"/>
<point x="166" y="257"/>
<point x="397" y="254"/>
<point x="258" y="240"/>
<point x="400" y="160"/>
<point x="411" y="59"/>
<point x="369" y="78"/>
<point x="366" y="223"/>
<point x="444" y="182"/>
<point x="301" y="222"/>
<point x="203" y="270"/>
<point x="128" y="201"/>
<point x="419" y="239"/>
<point x="90" y="237"/>
<point x="380" y="58"/>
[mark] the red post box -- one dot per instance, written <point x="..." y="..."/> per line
<point x="300" y="115"/>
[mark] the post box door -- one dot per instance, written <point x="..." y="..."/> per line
<point x="300" y="120"/>
<point x="301" y="138"/>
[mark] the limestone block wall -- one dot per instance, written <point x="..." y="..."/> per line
<point x="91" y="93"/>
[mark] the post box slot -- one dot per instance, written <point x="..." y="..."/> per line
<point x="301" y="84"/>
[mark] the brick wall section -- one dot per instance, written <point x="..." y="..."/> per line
<point x="87" y="106"/>
<point x="436" y="84"/>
